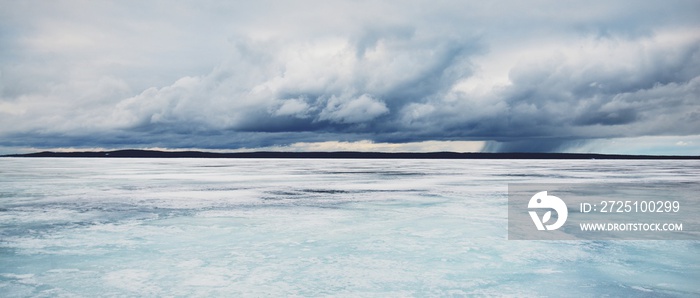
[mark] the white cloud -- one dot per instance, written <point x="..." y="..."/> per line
<point x="293" y="107"/>
<point x="354" y="110"/>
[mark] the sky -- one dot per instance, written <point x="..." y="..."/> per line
<point x="466" y="76"/>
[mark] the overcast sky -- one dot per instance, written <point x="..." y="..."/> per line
<point x="545" y="76"/>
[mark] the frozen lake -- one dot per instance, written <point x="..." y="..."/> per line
<point x="285" y="227"/>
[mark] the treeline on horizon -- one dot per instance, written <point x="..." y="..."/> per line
<point x="340" y="155"/>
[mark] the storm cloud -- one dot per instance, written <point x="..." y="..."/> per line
<point x="538" y="77"/>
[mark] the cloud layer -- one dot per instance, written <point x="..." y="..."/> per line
<point x="220" y="75"/>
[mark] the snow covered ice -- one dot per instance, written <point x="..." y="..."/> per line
<point x="281" y="227"/>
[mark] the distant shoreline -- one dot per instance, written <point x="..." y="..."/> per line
<point x="341" y="155"/>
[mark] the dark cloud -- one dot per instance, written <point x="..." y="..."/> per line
<point x="521" y="78"/>
<point x="533" y="145"/>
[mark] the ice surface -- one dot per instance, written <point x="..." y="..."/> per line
<point x="244" y="227"/>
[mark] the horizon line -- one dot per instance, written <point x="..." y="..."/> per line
<point x="142" y="153"/>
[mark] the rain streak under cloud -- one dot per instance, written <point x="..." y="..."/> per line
<point x="601" y="76"/>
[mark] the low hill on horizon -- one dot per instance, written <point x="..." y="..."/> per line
<point x="133" y="153"/>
